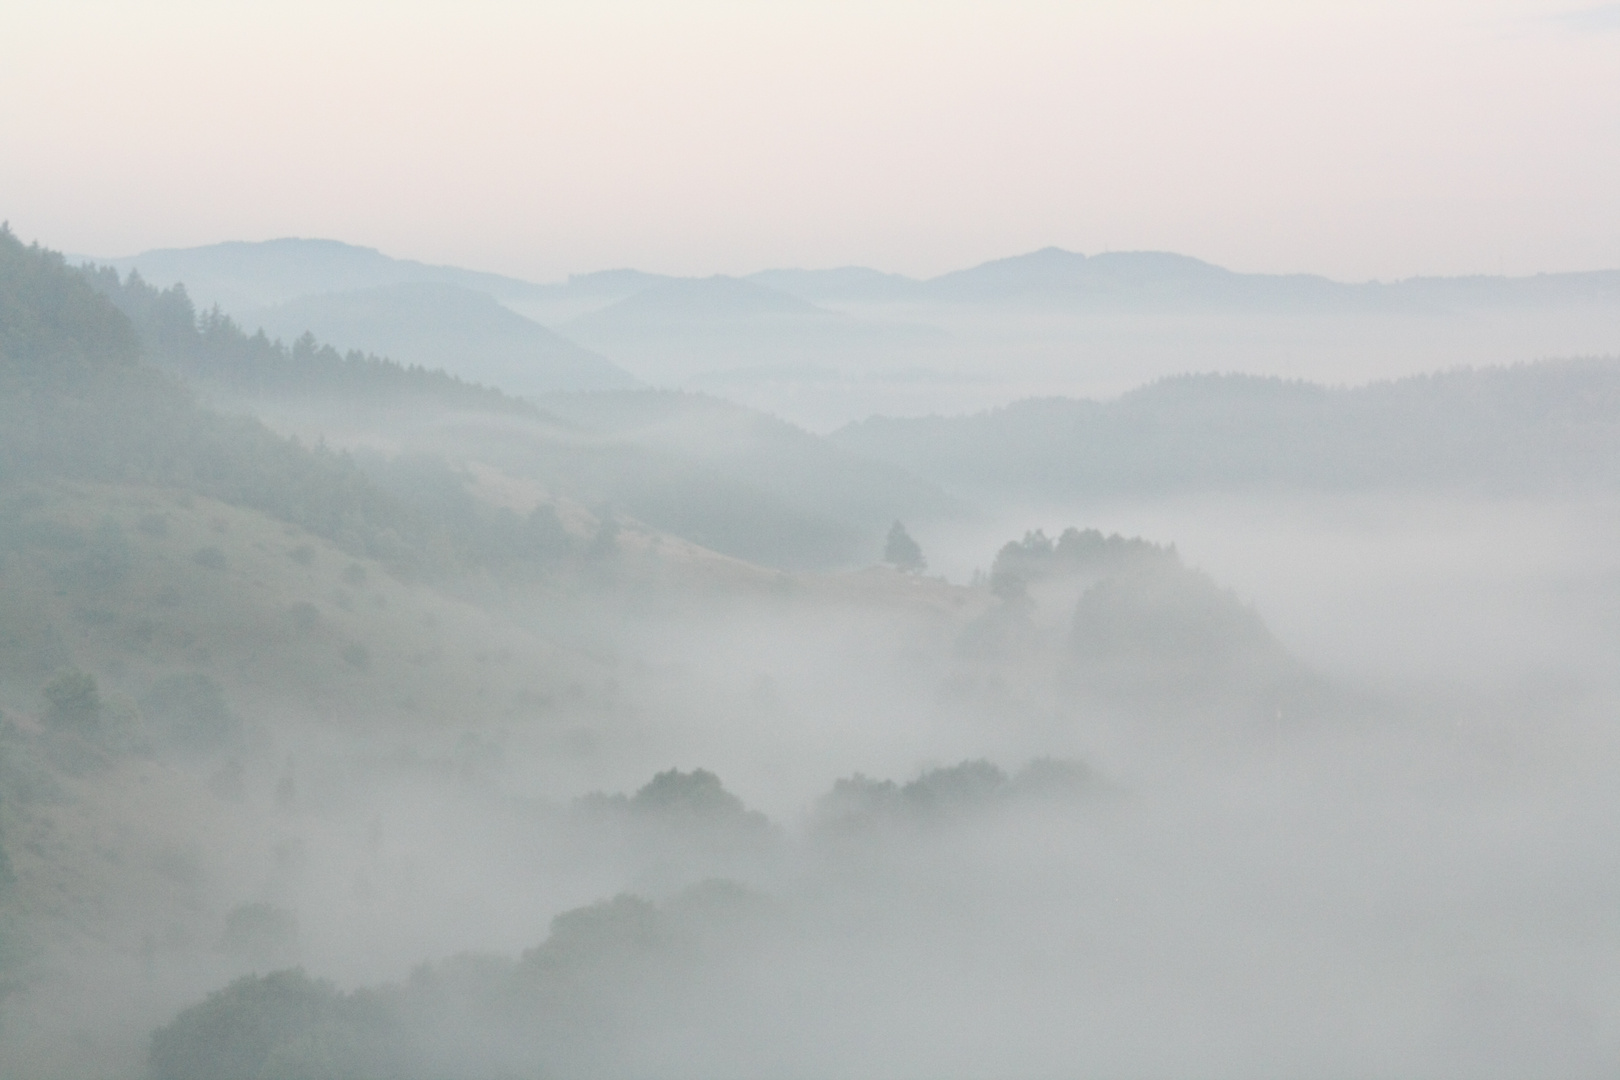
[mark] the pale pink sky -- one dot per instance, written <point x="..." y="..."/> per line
<point x="1365" y="139"/>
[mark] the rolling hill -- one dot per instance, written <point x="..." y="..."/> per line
<point x="1554" y="425"/>
<point x="1130" y="281"/>
<point x="242" y="275"/>
<point x="677" y="330"/>
<point x="445" y="327"/>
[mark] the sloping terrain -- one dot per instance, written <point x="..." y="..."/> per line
<point x="825" y="348"/>
<point x="382" y="701"/>
<point x="449" y="328"/>
<point x="724" y="477"/>
<point x="1164" y="281"/>
<point x="676" y="330"/>
<point x="729" y="479"/>
<point x="239" y="275"/>
<point x="750" y="451"/>
<point x="1537" y="426"/>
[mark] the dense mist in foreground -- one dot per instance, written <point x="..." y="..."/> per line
<point x="360" y="720"/>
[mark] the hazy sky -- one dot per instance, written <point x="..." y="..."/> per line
<point x="1358" y="139"/>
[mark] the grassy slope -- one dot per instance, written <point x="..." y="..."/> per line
<point x="260" y="604"/>
<point x="298" y="631"/>
<point x="127" y="854"/>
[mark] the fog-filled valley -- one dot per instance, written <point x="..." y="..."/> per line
<point x="1070" y="666"/>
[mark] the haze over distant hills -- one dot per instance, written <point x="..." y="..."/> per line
<point x="823" y="348"/>
<point x="1551" y="426"/>
<point x="1159" y="280"/>
<point x="451" y="327"/>
<point x="846" y="284"/>
<point x="243" y="275"/>
<point x="312" y="660"/>
<point x="714" y="328"/>
<point x="240" y="275"/>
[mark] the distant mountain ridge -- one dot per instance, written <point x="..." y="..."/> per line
<point x="1053" y="276"/>
<point x="241" y="274"/>
<point x="1165" y="280"/>
<point x="827" y="347"/>
<point x="1125" y="277"/>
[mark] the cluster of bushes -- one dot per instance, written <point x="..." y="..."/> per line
<point x="551" y="1011"/>
<point x="688" y="798"/>
<point x="1037" y="557"/>
<point x="1147" y="633"/>
<point x="947" y="794"/>
<point x="625" y="964"/>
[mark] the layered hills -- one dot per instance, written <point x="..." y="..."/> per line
<point x="311" y="658"/>
<point x="1553" y="425"/>
<point x="241" y="276"/>
<point x="713" y="328"/>
<point x="446" y="327"/>
<point x="733" y="480"/>
<point x="824" y="348"/>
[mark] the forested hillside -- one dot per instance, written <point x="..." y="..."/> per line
<point x="214" y="352"/>
<point x="79" y="406"/>
<point x="738" y="482"/>
<point x="448" y="328"/>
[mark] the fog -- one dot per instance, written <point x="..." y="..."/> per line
<point x="983" y="360"/>
<point x="360" y="721"/>
<point x="1384" y="587"/>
